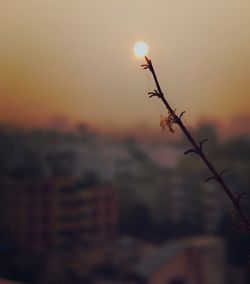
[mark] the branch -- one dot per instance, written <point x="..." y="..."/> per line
<point x="210" y="178"/>
<point x="155" y="93"/>
<point x="202" y="142"/>
<point x="182" y="114"/>
<point x="239" y="197"/>
<point x="197" y="147"/>
<point x="190" y="151"/>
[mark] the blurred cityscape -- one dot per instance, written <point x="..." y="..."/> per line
<point x="78" y="206"/>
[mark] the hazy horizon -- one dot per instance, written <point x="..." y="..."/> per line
<point x="75" y="60"/>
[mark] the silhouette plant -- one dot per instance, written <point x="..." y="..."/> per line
<point x="197" y="147"/>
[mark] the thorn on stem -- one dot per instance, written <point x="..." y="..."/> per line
<point x="182" y="114"/>
<point x="202" y="142"/>
<point x="240" y="227"/>
<point x="239" y="197"/>
<point x="210" y="178"/>
<point x="145" y="66"/>
<point x="190" y="151"/>
<point x="222" y="172"/>
<point x="148" y="61"/>
<point x="243" y="193"/>
<point x="152" y="95"/>
<point x="148" y="65"/>
<point x="155" y="93"/>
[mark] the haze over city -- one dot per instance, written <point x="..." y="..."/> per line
<point x="92" y="190"/>
<point x="75" y="60"/>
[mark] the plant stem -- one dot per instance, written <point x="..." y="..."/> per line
<point x="197" y="147"/>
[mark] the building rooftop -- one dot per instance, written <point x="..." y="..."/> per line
<point x="160" y="257"/>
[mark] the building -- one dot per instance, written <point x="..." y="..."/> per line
<point x="183" y="261"/>
<point x="132" y="261"/>
<point x="192" y="260"/>
<point x="42" y="213"/>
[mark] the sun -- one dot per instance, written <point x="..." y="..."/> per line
<point x="141" y="49"/>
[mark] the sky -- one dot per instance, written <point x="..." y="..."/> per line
<point x="74" y="59"/>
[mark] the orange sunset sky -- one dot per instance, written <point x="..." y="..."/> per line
<point x="74" y="59"/>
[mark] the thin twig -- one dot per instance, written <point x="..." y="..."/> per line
<point x="197" y="147"/>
